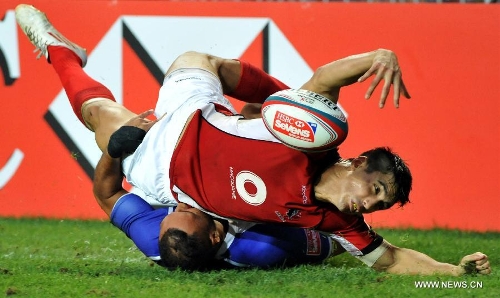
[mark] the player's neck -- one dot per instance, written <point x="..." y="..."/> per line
<point x="329" y="183"/>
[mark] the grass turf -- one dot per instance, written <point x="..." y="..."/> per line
<point x="66" y="258"/>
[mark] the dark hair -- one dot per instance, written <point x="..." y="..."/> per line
<point x="188" y="252"/>
<point x="384" y="160"/>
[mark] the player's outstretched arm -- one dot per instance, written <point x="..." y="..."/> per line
<point x="383" y="64"/>
<point x="407" y="261"/>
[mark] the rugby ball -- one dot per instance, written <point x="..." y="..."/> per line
<point x="304" y="120"/>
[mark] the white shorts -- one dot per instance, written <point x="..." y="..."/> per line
<point x="183" y="92"/>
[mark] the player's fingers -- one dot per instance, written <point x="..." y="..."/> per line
<point x="482" y="261"/>
<point x="485" y="271"/>
<point x="161" y="117"/>
<point x="375" y="82"/>
<point x="473" y="258"/>
<point x="157" y="119"/>
<point x="368" y="73"/>
<point x="479" y="256"/>
<point x="146" y="113"/>
<point x="404" y="90"/>
<point x="387" y="86"/>
<point x="482" y="265"/>
<point x="146" y="126"/>
<point x="483" y="268"/>
<point x="397" y="89"/>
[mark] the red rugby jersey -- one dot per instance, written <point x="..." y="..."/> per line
<point x="260" y="181"/>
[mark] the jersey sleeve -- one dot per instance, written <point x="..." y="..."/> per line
<point x="140" y="222"/>
<point x="351" y="232"/>
<point x="372" y="257"/>
<point x="267" y="246"/>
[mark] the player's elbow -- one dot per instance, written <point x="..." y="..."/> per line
<point x="321" y="83"/>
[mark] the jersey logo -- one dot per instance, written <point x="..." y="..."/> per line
<point x="313" y="242"/>
<point x="250" y="187"/>
<point x="292" y="214"/>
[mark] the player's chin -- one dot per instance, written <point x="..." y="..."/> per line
<point x="347" y="210"/>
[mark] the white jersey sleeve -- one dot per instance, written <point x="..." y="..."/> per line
<point x="372" y="257"/>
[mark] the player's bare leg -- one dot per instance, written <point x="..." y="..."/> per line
<point x="104" y="117"/>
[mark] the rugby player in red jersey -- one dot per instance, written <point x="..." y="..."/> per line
<point x="198" y="154"/>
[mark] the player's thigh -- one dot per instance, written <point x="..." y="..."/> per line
<point x="105" y="117"/>
<point x="196" y="60"/>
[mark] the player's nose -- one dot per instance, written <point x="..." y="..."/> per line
<point x="369" y="204"/>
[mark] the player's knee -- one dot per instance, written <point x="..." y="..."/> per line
<point x="90" y="114"/>
<point x="94" y="111"/>
<point x="192" y="59"/>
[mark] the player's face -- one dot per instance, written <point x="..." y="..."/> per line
<point x="364" y="192"/>
<point x="187" y="219"/>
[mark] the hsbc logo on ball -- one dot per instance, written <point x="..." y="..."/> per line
<point x="294" y="127"/>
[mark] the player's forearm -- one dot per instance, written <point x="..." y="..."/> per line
<point x="108" y="182"/>
<point x="408" y="261"/>
<point x="329" y="78"/>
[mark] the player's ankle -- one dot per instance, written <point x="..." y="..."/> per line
<point x="55" y="52"/>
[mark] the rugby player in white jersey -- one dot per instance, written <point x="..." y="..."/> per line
<point x="195" y="113"/>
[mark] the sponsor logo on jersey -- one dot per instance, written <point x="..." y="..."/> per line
<point x="294" y="127"/>
<point x="232" y="183"/>
<point x="313" y="243"/>
<point x="293" y="214"/>
<point x="281" y="217"/>
<point x="305" y="198"/>
<point x="188" y="78"/>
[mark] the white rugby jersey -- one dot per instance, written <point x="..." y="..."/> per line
<point x="183" y="92"/>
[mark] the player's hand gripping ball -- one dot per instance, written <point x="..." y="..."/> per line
<point x="304" y="120"/>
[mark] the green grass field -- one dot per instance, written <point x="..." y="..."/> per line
<point x="61" y="258"/>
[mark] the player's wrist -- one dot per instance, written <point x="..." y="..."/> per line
<point x="458" y="270"/>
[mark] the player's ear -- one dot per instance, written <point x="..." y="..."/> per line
<point x="358" y="161"/>
<point x="215" y="237"/>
